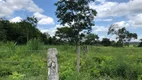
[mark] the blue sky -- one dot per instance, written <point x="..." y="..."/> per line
<point x="124" y="13"/>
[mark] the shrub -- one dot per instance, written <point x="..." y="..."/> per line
<point x="34" y="44"/>
<point x="118" y="44"/>
<point x="140" y="44"/>
<point x="11" y="45"/>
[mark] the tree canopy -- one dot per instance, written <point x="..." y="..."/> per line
<point x="20" y="32"/>
<point x="122" y="34"/>
<point x="76" y="14"/>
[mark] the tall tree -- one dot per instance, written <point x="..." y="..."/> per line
<point x="2" y="30"/>
<point x="78" y="15"/>
<point x="122" y="34"/>
<point x="29" y="23"/>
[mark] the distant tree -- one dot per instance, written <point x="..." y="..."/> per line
<point x="140" y="44"/>
<point x="131" y="36"/>
<point x="47" y="35"/>
<point x="113" y="43"/>
<point x="2" y="30"/>
<point x="44" y="38"/>
<point x="19" y="32"/>
<point x="50" y="41"/>
<point x="7" y="31"/>
<point x="29" y="23"/>
<point x="78" y="15"/>
<point x="91" y="39"/>
<point x="122" y="34"/>
<point x="64" y="34"/>
<point x="32" y="20"/>
<point x="106" y="42"/>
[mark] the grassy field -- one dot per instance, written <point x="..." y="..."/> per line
<point x="25" y="63"/>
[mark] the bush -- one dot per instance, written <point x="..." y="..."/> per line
<point x="11" y="45"/>
<point x="118" y="44"/>
<point x="79" y="76"/>
<point x="140" y="45"/>
<point x="34" y="44"/>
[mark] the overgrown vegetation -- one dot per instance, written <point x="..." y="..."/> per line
<point x="23" y="53"/>
<point x="24" y="63"/>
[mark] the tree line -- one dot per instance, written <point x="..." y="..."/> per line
<point x="123" y="37"/>
<point x="22" y="32"/>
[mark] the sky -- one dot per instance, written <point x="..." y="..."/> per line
<point x="124" y="13"/>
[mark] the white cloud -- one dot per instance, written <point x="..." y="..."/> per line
<point x="112" y="37"/>
<point x="32" y="7"/>
<point x="47" y="20"/>
<point x="8" y="7"/>
<point x="136" y="21"/>
<point x="133" y="22"/>
<point x="135" y="6"/>
<point x="43" y="19"/>
<point x="103" y="10"/>
<point x="52" y="30"/>
<point x="97" y="29"/>
<point x="39" y="16"/>
<point x="101" y="38"/>
<point x="16" y="19"/>
<point x="119" y="25"/>
<point x="108" y="9"/>
<point x="122" y="24"/>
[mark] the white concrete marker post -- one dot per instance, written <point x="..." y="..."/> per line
<point x="52" y="64"/>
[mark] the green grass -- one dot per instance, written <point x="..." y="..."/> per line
<point x="22" y="63"/>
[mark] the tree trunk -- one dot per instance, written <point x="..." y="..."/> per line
<point x="78" y="58"/>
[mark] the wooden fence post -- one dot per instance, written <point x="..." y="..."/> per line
<point x="52" y="64"/>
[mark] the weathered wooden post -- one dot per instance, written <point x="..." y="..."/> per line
<point x="52" y="64"/>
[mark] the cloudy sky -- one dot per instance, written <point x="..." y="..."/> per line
<point x="125" y="13"/>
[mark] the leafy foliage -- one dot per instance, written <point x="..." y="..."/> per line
<point x="20" y="32"/>
<point x="100" y="63"/>
<point x="140" y="44"/>
<point x="106" y="42"/>
<point x="91" y="39"/>
<point x="122" y="34"/>
<point x="35" y="44"/>
<point x="76" y="14"/>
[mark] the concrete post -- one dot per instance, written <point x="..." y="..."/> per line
<point x="52" y="64"/>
